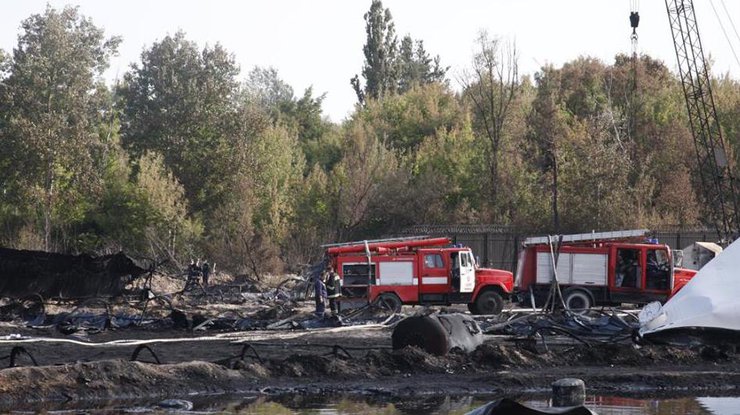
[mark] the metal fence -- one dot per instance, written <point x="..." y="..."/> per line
<point x="499" y="246"/>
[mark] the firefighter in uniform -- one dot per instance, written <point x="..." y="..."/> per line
<point x="333" y="289"/>
<point x="206" y="270"/>
<point x="320" y="295"/>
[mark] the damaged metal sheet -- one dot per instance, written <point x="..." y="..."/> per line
<point x="595" y="327"/>
<point x="706" y="307"/>
<point x="30" y="311"/>
<point x="52" y="275"/>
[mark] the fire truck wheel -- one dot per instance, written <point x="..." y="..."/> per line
<point x="577" y="300"/>
<point x="489" y="302"/>
<point x="424" y="332"/>
<point x="390" y="302"/>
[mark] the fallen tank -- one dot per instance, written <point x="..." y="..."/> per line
<point x="438" y="334"/>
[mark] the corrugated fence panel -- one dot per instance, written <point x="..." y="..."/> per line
<point x="503" y="249"/>
<point x="682" y="239"/>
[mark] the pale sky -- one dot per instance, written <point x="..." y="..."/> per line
<point x="319" y="42"/>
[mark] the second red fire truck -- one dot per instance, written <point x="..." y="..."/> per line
<point x="605" y="268"/>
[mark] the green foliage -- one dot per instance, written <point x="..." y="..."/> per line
<point x="168" y="228"/>
<point x="388" y="68"/>
<point x="49" y="112"/>
<point x="490" y="87"/>
<point x="265" y="90"/>
<point x="313" y="222"/>
<point x="403" y="121"/>
<point x="447" y="163"/>
<point x="186" y="161"/>
<point x="613" y="156"/>
<point x="180" y="102"/>
<point x="416" y="67"/>
<point x="355" y="182"/>
<point x="277" y="166"/>
<point x="380" y="69"/>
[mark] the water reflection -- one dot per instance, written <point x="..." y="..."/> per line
<point x="603" y="405"/>
<point x="298" y="404"/>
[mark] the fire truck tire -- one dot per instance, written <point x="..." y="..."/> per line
<point x="424" y="332"/>
<point x="472" y="308"/>
<point x="489" y="302"/>
<point x="390" y="302"/>
<point x="577" y="300"/>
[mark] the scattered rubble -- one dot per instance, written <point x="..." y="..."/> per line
<point x="272" y="341"/>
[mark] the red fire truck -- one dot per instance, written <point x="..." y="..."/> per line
<point x="605" y="268"/>
<point x="425" y="271"/>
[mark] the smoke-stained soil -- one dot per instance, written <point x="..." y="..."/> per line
<point x="236" y="341"/>
<point x="277" y="363"/>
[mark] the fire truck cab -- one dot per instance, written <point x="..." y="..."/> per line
<point x="607" y="268"/>
<point x="427" y="271"/>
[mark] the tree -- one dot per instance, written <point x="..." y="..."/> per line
<point x="403" y="121"/>
<point x="389" y="69"/>
<point x="547" y="121"/>
<point x="313" y="223"/>
<point x="50" y="112"/>
<point x="265" y="89"/>
<point x="276" y="164"/>
<point x="380" y="51"/>
<point x="357" y="179"/>
<point x="181" y="103"/>
<point x="415" y="67"/>
<point x="168" y="227"/>
<point x="302" y="116"/>
<point x="491" y="85"/>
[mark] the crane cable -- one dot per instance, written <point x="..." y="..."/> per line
<point x="722" y="26"/>
<point x="634" y="23"/>
<point x="729" y="17"/>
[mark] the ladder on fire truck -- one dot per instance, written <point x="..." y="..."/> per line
<point x="592" y="236"/>
<point x="377" y="241"/>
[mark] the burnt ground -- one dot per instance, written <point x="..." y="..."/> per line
<point x="83" y="365"/>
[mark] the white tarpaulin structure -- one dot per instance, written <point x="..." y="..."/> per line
<point x="710" y="300"/>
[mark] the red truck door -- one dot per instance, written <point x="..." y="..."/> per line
<point x="467" y="272"/>
<point x="628" y="270"/>
<point x="658" y="271"/>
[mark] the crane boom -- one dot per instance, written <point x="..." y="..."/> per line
<point x="714" y="166"/>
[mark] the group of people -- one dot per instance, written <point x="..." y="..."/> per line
<point x="327" y="287"/>
<point x="198" y="269"/>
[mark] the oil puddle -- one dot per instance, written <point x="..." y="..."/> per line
<point x="365" y="405"/>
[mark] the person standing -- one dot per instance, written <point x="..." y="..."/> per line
<point x="333" y="289"/>
<point x="320" y="294"/>
<point x="192" y="279"/>
<point x="206" y="270"/>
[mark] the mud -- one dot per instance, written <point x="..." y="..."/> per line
<point x="95" y="365"/>
<point x="311" y="364"/>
